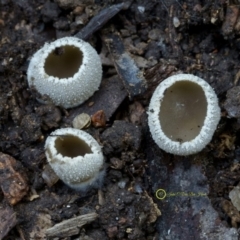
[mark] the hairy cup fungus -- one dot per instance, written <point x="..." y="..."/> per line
<point x="67" y="70"/>
<point x="76" y="158"/>
<point x="183" y="114"/>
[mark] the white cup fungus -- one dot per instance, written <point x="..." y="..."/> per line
<point x="183" y="114"/>
<point x="76" y="158"/>
<point x="68" y="71"/>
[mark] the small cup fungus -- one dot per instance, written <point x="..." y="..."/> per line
<point x="183" y="114"/>
<point x="67" y="70"/>
<point x="76" y="158"/>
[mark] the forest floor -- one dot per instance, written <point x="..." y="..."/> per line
<point x="158" y="39"/>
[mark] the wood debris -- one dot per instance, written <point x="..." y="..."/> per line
<point x="12" y="179"/>
<point x="131" y="76"/>
<point x="100" y="19"/>
<point x="71" y="226"/>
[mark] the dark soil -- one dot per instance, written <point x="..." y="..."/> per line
<point x="159" y="38"/>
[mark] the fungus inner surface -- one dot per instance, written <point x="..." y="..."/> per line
<point x="183" y="111"/>
<point x="71" y="146"/>
<point x="63" y="62"/>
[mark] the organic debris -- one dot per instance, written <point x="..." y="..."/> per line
<point x="99" y="119"/>
<point x="127" y="70"/>
<point x="140" y="43"/>
<point x="8" y="220"/>
<point x="71" y="226"/>
<point x="13" y="180"/>
<point x="81" y="121"/>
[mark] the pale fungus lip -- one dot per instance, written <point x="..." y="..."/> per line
<point x="183" y="114"/>
<point x="76" y="158"/>
<point x="67" y="70"/>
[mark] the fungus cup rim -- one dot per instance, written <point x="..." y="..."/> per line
<point x="79" y="87"/>
<point x="210" y="122"/>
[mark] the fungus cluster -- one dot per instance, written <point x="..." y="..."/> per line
<point x="76" y="157"/>
<point x="183" y="114"/>
<point x="67" y="70"/>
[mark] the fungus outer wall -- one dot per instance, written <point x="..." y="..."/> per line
<point x="68" y="71"/>
<point x="76" y="158"/>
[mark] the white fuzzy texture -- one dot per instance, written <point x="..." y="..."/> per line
<point x="207" y="130"/>
<point x="72" y="91"/>
<point x="81" y="172"/>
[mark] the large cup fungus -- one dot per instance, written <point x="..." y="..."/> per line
<point x="183" y="114"/>
<point x="67" y="70"/>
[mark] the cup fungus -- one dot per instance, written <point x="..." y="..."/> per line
<point x="67" y="70"/>
<point x="183" y="114"/>
<point x="76" y="157"/>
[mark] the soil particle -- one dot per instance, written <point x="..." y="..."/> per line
<point x="232" y="212"/>
<point x="234" y="195"/>
<point x="62" y="24"/>
<point x="153" y="50"/>
<point x="50" y="11"/>
<point x="31" y="126"/>
<point x="50" y="116"/>
<point x="68" y="4"/>
<point x="232" y="103"/>
<point x="122" y="136"/>
<point x="136" y="112"/>
<point x="30" y="214"/>
<point x="49" y="176"/>
<point x="116" y="163"/>
<point x="42" y="222"/>
<point x="8" y="220"/>
<point x="118" y="214"/>
<point x="32" y="157"/>
<point x="230" y="19"/>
